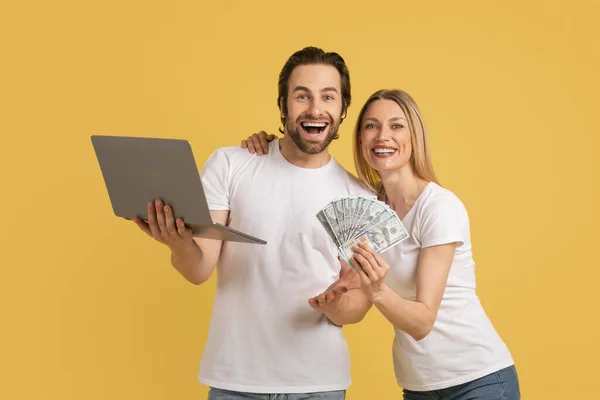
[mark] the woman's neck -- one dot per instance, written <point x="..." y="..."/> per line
<point x="402" y="188"/>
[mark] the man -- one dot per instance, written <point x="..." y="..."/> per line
<point x="265" y="338"/>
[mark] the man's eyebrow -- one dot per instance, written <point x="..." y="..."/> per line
<point x="305" y="89"/>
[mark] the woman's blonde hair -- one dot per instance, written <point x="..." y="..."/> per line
<point x="420" y="159"/>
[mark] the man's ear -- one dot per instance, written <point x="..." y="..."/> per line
<point x="281" y="108"/>
<point x="344" y="114"/>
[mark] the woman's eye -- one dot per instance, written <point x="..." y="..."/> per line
<point x="370" y="126"/>
<point x="397" y="126"/>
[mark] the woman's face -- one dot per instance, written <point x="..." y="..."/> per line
<point x="385" y="137"/>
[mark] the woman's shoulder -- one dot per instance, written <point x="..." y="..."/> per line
<point x="437" y="197"/>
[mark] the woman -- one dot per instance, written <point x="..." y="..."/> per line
<point x="445" y="347"/>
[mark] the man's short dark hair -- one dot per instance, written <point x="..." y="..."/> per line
<point x="309" y="56"/>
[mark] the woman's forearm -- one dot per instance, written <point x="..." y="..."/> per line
<point x="412" y="317"/>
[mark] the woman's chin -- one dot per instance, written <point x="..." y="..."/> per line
<point x="383" y="166"/>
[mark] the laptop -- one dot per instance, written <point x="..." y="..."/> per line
<point x="138" y="170"/>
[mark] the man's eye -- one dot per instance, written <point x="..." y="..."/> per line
<point x="328" y="98"/>
<point x="302" y="97"/>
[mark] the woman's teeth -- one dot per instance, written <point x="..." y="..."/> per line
<point x="383" y="151"/>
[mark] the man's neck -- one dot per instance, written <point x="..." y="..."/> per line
<point x="297" y="157"/>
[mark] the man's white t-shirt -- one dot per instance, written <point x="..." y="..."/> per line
<point x="264" y="337"/>
<point x="463" y="345"/>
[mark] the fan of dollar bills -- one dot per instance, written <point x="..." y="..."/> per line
<point x="355" y="219"/>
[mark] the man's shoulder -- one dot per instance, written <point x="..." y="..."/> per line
<point x="359" y="186"/>
<point x="355" y="185"/>
<point x="232" y="156"/>
<point x="232" y="151"/>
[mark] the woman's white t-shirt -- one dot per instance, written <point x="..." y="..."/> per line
<point x="463" y="345"/>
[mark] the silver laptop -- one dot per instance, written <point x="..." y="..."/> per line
<point x="139" y="170"/>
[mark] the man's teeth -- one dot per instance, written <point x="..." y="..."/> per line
<point x="384" y="151"/>
<point x="314" y="124"/>
<point x="314" y="128"/>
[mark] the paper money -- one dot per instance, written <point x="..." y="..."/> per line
<point x="380" y="236"/>
<point x="339" y="213"/>
<point x="332" y="221"/>
<point x="353" y="220"/>
<point x="373" y="209"/>
<point x="328" y="227"/>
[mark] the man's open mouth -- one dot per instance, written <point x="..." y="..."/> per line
<point x="314" y="128"/>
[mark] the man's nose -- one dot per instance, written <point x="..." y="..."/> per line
<point x="315" y="108"/>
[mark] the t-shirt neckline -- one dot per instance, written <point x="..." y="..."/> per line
<point x="277" y="152"/>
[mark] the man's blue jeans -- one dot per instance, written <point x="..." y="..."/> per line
<point x="219" y="394"/>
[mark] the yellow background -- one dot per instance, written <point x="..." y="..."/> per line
<point x="92" y="309"/>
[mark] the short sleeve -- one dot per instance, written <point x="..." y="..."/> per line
<point x="215" y="180"/>
<point x="443" y="220"/>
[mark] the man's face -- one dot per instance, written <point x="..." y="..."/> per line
<point x="314" y="104"/>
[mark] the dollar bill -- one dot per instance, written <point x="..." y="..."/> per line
<point x="381" y="236"/>
<point x="339" y="213"/>
<point x="328" y="228"/>
<point x="347" y="218"/>
<point x="331" y="217"/>
<point x="356" y="213"/>
<point x="355" y="206"/>
<point x="344" y="257"/>
<point x="371" y="212"/>
<point x="357" y="219"/>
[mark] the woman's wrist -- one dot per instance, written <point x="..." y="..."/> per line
<point x="377" y="297"/>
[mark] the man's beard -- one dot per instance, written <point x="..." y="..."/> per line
<point x="310" y="147"/>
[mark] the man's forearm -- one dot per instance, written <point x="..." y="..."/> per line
<point x="351" y="308"/>
<point x="191" y="262"/>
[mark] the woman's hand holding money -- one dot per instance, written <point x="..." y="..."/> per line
<point x="371" y="268"/>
